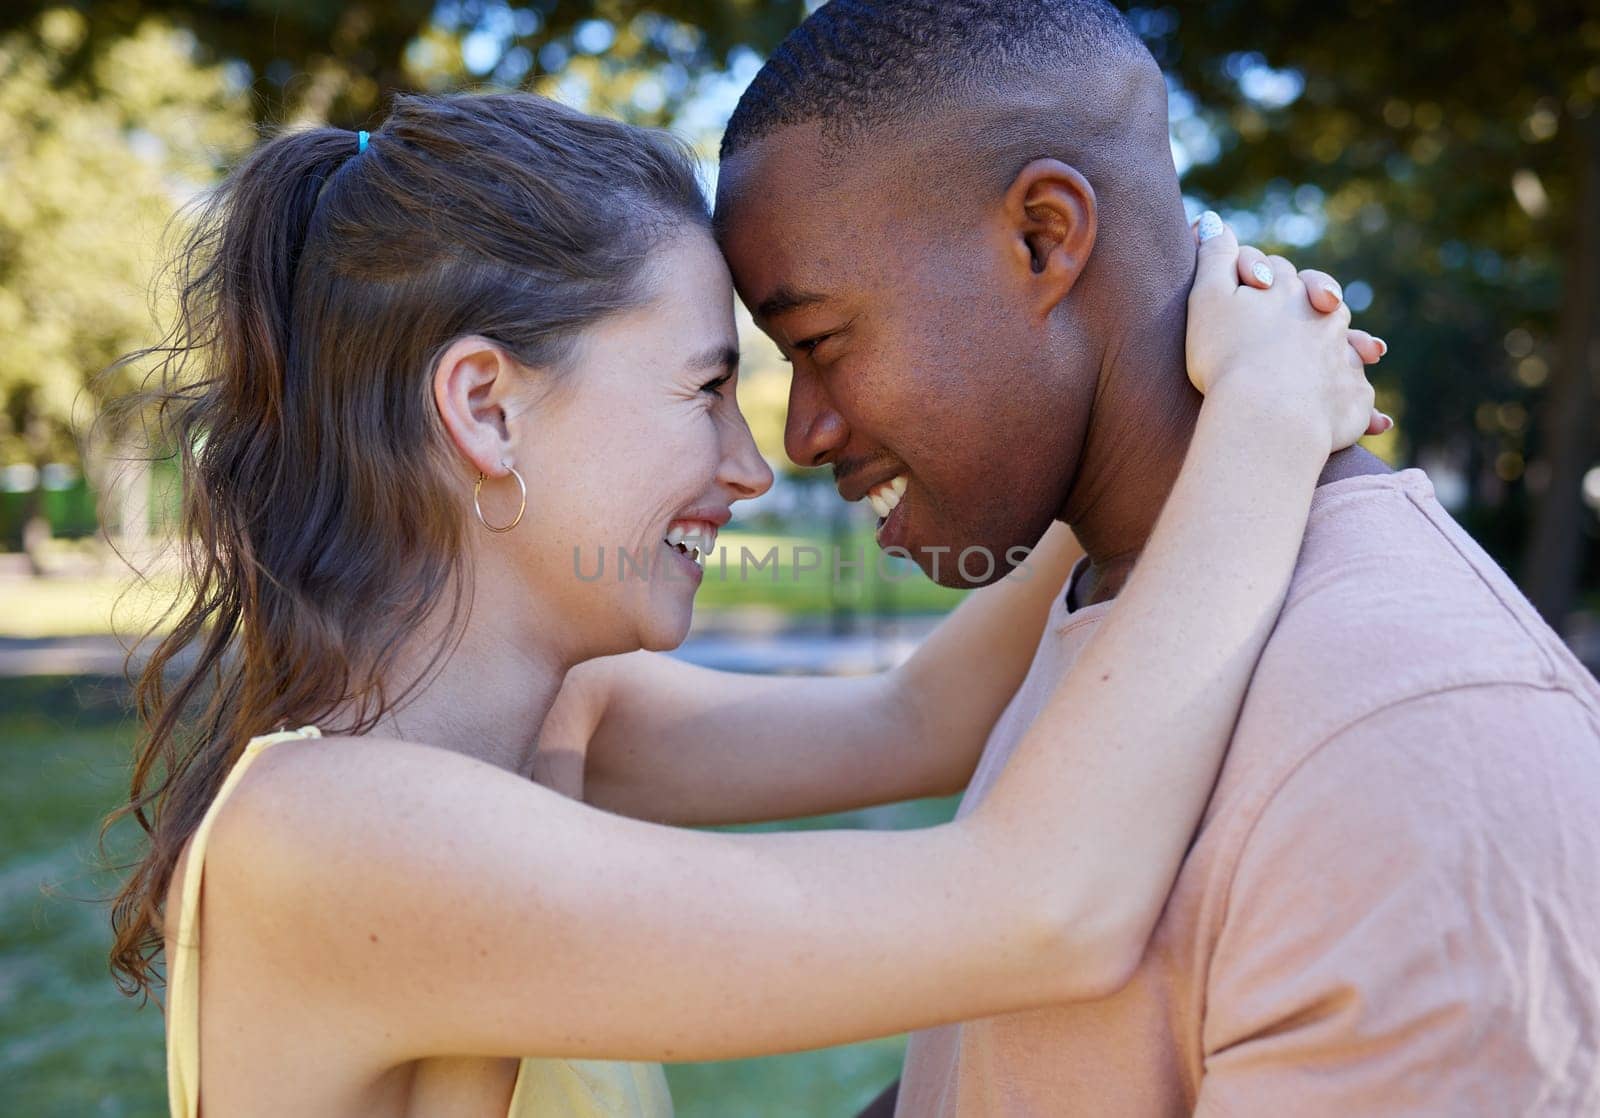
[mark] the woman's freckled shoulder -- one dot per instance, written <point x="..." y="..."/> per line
<point x="295" y="794"/>
<point x="356" y="792"/>
<point x="340" y="765"/>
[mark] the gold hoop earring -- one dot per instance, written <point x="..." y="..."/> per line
<point x="522" y="508"/>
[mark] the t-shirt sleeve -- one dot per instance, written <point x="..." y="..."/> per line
<point x="1413" y="922"/>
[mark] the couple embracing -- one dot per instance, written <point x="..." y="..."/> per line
<point x="1279" y="797"/>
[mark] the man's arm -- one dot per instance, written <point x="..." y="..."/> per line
<point x="668" y="741"/>
<point x="1413" y="926"/>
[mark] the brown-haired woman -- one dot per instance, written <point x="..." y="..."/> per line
<point x="413" y="375"/>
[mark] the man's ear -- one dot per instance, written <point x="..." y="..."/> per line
<point x="1050" y="217"/>
<point x="472" y="385"/>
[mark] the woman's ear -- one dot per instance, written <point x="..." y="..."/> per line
<point x="472" y="385"/>
<point x="1050" y="216"/>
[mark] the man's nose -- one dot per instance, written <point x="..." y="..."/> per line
<point x="814" y="431"/>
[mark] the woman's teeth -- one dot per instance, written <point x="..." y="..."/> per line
<point x="886" y="497"/>
<point x="695" y="538"/>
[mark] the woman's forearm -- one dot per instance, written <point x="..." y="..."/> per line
<point x="956" y="685"/>
<point x="668" y="741"/>
<point x="1101" y="797"/>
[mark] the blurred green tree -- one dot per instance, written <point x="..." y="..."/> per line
<point x="1448" y="158"/>
<point x="90" y="182"/>
<point x="341" y="62"/>
<point x="116" y="113"/>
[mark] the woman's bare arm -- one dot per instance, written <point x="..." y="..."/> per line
<point x="672" y="742"/>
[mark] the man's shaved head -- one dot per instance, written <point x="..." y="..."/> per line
<point x="858" y="64"/>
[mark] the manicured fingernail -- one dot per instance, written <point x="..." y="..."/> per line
<point x="1383" y="346"/>
<point x="1262" y="272"/>
<point x="1333" y="289"/>
<point x="1388" y="421"/>
<point x="1209" y="226"/>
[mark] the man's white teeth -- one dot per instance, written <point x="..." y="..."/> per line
<point x="885" y="498"/>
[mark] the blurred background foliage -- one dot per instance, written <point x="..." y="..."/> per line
<point x="1448" y="159"/>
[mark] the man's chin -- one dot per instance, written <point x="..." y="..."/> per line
<point x="966" y="567"/>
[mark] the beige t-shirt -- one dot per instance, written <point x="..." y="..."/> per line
<point x="1393" y="902"/>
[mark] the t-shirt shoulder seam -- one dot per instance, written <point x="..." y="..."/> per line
<point x="1545" y="659"/>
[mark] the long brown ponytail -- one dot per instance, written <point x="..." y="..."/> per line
<point x="319" y="521"/>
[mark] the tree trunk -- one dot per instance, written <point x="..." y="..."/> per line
<point x="120" y="476"/>
<point x="35" y="525"/>
<point x="133" y="507"/>
<point x="35" y="520"/>
<point x="1552" y="569"/>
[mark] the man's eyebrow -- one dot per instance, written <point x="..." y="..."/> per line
<point x="717" y="357"/>
<point x="787" y="299"/>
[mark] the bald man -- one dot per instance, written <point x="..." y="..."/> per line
<point x="961" y="223"/>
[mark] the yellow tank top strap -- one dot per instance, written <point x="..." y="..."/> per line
<point x="183" y="968"/>
<point x="555" y="1088"/>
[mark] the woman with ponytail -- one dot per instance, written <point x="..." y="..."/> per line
<point x="415" y="375"/>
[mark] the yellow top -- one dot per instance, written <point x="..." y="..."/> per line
<point x="544" y="1089"/>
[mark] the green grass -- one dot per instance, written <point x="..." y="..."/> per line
<point x="70" y="1045"/>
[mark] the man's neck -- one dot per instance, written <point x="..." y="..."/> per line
<point x="1106" y="574"/>
<point x="1142" y="420"/>
<point x="1143" y="413"/>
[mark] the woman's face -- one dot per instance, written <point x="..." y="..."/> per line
<point x="635" y="455"/>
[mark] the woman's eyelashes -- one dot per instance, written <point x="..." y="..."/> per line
<point x="716" y="385"/>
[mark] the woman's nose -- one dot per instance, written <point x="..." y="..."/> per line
<point x="744" y="471"/>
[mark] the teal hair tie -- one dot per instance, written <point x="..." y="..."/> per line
<point x="361" y="142"/>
